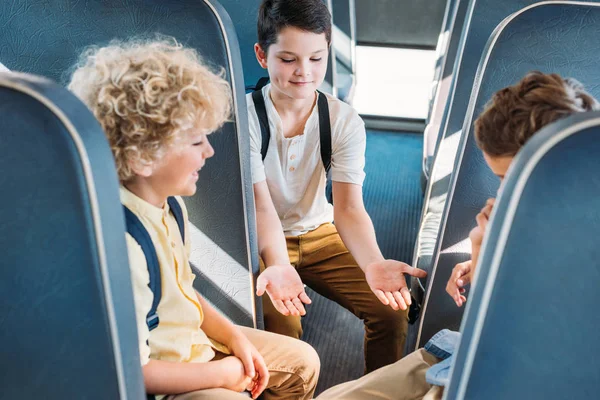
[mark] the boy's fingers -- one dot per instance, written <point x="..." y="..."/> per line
<point x="304" y="298"/>
<point x="406" y="295"/>
<point x="399" y="300"/>
<point x="416" y="272"/>
<point x="381" y="296"/>
<point x="291" y="307"/>
<point x="299" y="306"/>
<point x="263" y="378"/>
<point x="248" y="365"/>
<point x="261" y="286"/>
<point x="391" y="300"/>
<point x="280" y="307"/>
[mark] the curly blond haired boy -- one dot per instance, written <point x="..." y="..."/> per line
<point x="157" y="102"/>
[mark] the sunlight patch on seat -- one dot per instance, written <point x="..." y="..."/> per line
<point x="221" y="269"/>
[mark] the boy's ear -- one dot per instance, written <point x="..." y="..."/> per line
<point x="261" y="56"/>
<point x="142" y="169"/>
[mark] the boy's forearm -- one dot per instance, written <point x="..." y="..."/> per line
<point x="271" y="240"/>
<point x="215" y="325"/>
<point x="166" y="377"/>
<point x="358" y="234"/>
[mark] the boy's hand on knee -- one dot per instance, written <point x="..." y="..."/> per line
<point x="386" y="280"/>
<point x="285" y="288"/>
<point x="253" y="362"/>
<point x="233" y="374"/>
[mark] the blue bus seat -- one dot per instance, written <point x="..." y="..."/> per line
<point x="481" y="18"/>
<point x="531" y="325"/>
<point x="68" y="323"/>
<point x="447" y="49"/>
<point x="528" y="40"/>
<point x="224" y="249"/>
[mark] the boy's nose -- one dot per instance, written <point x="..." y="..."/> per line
<point x="303" y="70"/>
<point x="209" y="151"/>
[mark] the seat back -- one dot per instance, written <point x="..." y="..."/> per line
<point x="447" y="49"/>
<point x="481" y="18"/>
<point x="68" y="322"/>
<point x="529" y="40"/>
<point x="531" y="326"/>
<point x="344" y="42"/>
<point x="224" y="250"/>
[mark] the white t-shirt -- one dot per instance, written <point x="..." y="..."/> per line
<point x="293" y="168"/>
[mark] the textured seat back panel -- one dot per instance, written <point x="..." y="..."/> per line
<point x="64" y="259"/>
<point x="223" y="209"/>
<point x="539" y="38"/>
<point x="531" y="328"/>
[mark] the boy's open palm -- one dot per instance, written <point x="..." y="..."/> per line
<point x="386" y="279"/>
<point x="285" y="288"/>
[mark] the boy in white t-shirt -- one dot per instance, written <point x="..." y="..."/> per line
<point x="297" y="239"/>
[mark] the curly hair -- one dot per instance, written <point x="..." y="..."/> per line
<point x="146" y="95"/>
<point x="515" y="113"/>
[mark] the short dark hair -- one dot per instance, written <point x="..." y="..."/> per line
<point x="307" y="15"/>
<point x="516" y="112"/>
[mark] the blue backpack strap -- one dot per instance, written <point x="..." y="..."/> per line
<point x="178" y="214"/>
<point x="136" y="229"/>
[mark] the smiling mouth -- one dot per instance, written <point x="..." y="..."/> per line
<point x="300" y="83"/>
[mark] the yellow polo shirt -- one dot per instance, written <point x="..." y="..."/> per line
<point x="179" y="336"/>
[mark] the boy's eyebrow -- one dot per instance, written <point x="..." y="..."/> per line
<point x="293" y="54"/>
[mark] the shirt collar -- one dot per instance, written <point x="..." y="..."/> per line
<point x="140" y="206"/>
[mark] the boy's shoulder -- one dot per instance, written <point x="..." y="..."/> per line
<point x="339" y="109"/>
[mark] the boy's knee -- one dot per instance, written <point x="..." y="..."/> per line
<point x="387" y="316"/>
<point x="307" y="361"/>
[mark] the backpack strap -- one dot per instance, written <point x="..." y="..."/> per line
<point x="136" y="229"/>
<point x="178" y="214"/>
<point x="324" y="131"/>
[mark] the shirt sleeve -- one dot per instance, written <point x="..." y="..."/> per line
<point x="256" y="162"/>
<point x="142" y="295"/>
<point x="348" y="149"/>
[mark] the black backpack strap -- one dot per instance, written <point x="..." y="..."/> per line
<point x="178" y="214"/>
<point x="136" y="229"/>
<point x="263" y="121"/>
<point x="324" y="131"/>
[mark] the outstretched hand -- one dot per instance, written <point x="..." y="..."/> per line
<point x="386" y="280"/>
<point x="461" y="276"/>
<point x="285" y="288"/>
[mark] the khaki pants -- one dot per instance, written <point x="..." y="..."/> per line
<point x="293" y="367"/>
<point x="325" y="265"/>
<point x="403" y="380"/>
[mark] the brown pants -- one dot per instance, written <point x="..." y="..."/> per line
<point x="325" y="265"/>
<point x="293" y="368"/>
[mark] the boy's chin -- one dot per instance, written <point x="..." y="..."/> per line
<point x="188" y="191"/>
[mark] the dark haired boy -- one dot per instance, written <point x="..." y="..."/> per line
<point x="298" y="242"/>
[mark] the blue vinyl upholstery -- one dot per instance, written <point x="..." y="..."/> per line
<point x="446" y="50"/>
<point x="67" y="329"/>
<point x="531" y="326"/>
<point x="45" y="37"/>
<point x="538" y="38"/>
